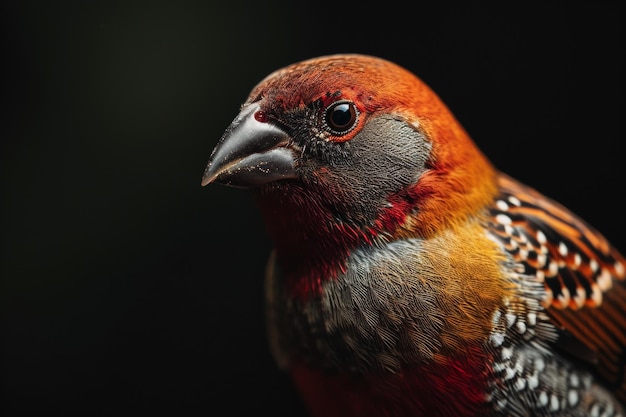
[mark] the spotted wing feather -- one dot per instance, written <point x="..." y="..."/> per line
<point x="583" y="275"/>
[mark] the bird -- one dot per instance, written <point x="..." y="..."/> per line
<point x="408" y="275"/>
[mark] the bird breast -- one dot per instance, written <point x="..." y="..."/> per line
<point x="402" y="304"/>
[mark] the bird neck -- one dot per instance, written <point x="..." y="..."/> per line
<point x="311" y="243"/>
<point x="461" y="180"/>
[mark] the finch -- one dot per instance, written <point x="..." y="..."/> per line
<point x="409" y="276"/>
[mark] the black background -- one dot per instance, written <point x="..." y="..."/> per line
<point x="128" y="287"/>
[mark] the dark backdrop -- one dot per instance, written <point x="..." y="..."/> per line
<point x="126" y="286"/>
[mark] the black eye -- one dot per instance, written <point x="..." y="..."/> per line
<point x="341" y="117"/>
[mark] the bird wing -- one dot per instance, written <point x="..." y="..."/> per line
<point x="584" y="276"/>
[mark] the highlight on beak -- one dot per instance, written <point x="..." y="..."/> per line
<point x="250" y="153"/>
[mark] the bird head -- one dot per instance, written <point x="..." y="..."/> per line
<point x="347" y="149"/>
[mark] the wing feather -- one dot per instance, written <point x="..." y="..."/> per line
<point x="583" y="274"/>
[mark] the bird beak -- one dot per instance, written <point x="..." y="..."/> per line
<point x="250" y="153"/>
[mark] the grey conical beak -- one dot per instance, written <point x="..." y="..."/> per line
<point x="250" y="153"/>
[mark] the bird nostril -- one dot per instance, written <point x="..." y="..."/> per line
<point x="260" y="116"/>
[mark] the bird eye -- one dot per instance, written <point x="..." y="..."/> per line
<point x="341" y="117"/>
